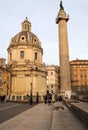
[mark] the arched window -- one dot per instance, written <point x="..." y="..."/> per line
<point x="21" y="54"/>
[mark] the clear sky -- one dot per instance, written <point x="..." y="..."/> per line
<point x="42" y="15"/>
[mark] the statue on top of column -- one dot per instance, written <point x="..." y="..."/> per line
<point x="61" y="5"/>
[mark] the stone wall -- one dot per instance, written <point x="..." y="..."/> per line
<point x="80" y="109"/>
<point x="80" y="113"/>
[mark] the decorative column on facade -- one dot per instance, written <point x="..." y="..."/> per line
<point x="65" y="83"/>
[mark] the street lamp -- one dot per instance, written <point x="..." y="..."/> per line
<point x="0" y="91"/>
<point x="31" y="100"/>
<point x="0" y="86"/>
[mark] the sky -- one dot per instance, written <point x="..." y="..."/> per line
<point x="42" y="15"/>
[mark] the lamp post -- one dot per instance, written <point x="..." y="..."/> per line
<point x="0" y="90"/>
<point x="31" y="100"/>
<point x="0" y="86"/>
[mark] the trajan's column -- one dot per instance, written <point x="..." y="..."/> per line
<point x="65" y="83"/>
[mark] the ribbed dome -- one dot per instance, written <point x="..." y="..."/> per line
<point x="25" y="37"/>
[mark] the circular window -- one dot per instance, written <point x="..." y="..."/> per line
<point x="22" y="38"/>
<point x="35" y="40"/>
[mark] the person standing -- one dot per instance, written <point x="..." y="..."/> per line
<point x="31" y="100"/>
<point x="37" y="98"/>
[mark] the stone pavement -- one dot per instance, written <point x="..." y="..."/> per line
<point x="44" y="117"/>
<point x="82" y="105"/>
<point x="66" y="120"/>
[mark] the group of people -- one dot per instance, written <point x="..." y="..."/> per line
<point x="3" y="99"/>
<point x="48" y="98"/>
<point x="58" y="98"/>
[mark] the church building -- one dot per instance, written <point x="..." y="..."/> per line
<point x="25" y="56"/>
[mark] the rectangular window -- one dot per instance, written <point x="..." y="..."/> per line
<point x="51" y="86"/>
<point x="75" y="72"/>
<point x="84" y="72"/>
<point x="81" y="77"/>
<point x="81" y="72"/>
<point x="0" y="74"/>
<point x="21" y="54"/>
<point x="51" y="73"/>
<point x="0" y="83"/>
<point x="85" y="77"/>
<point x="52" y="91"/>
<point x="47" y="86"/>
<point x="10" y="56"/>
<point x="36" y="56"/>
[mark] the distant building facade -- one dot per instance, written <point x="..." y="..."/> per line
<point x="25" y="58"/>
<point x="53" y="84"/>
<point x="79" y="76"/>
<point x="5" y="79"/>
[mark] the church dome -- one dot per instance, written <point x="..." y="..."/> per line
<point x="25" y="37"/>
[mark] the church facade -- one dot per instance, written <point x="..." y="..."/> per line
<point x="25" y="60"/>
